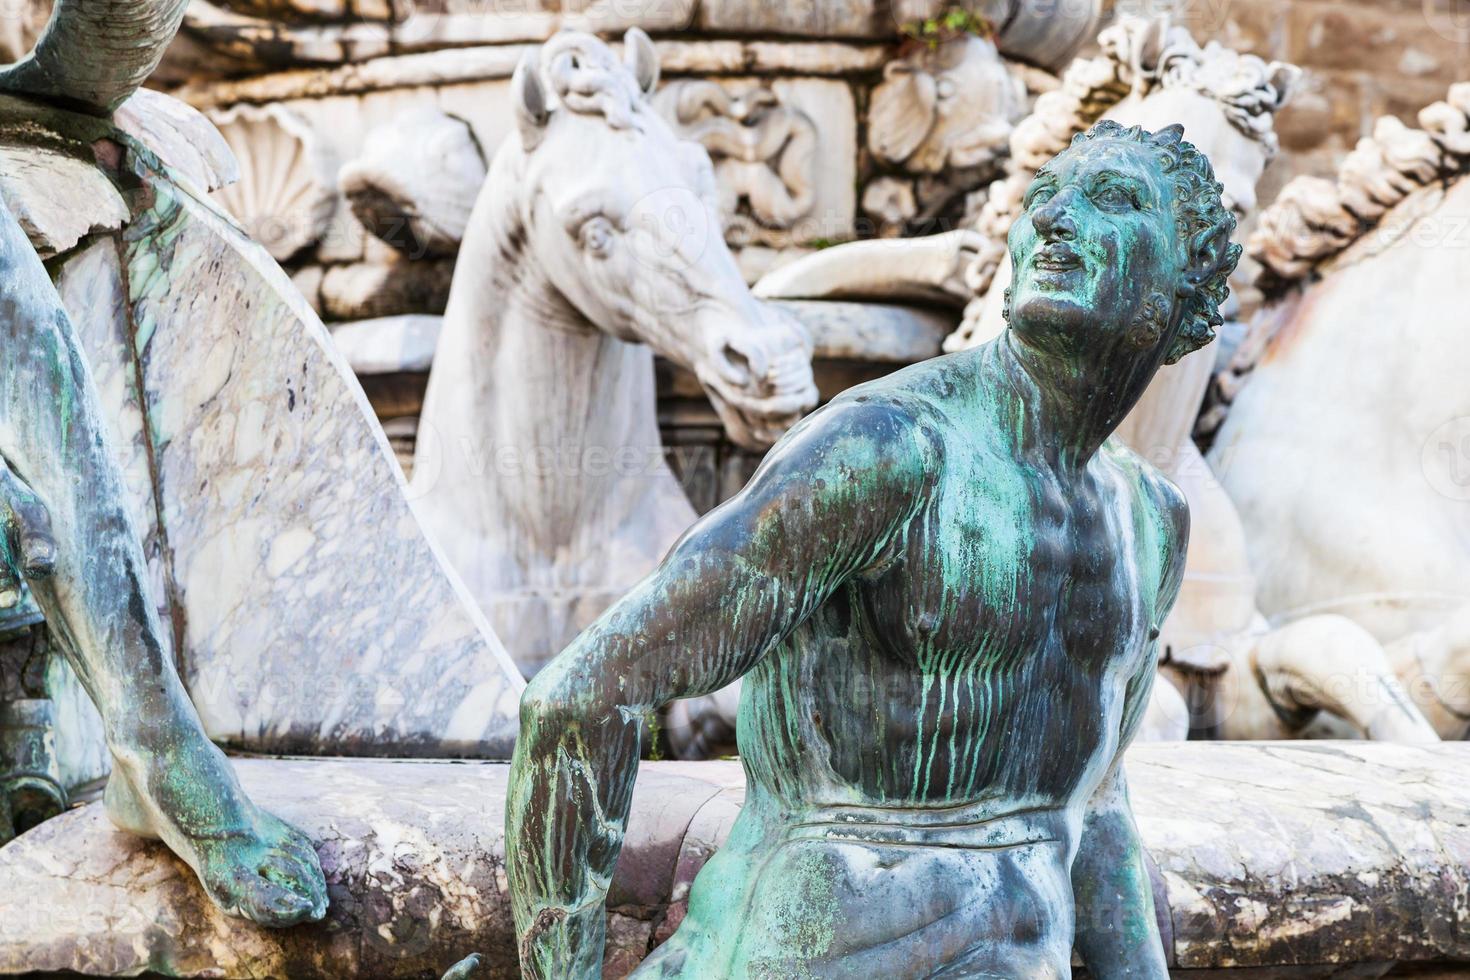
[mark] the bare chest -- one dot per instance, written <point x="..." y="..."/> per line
<point x="1046" y="571"/>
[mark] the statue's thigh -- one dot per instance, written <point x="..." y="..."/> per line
<point x="830" y="909"/>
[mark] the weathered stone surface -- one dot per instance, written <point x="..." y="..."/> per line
<point x="179" y="135"/>
<point x="785" y="153"/>
<point x="455" y="65"/>
<point x="1270" y="856"/>
<point x="370" y="290"/>
<point x="460" y="65"/>
<point x="416" y="181"/>
<point x="818" y="18"/>
<point x="873" y="332"/>
<point x="415" y="869"/>
<point x="56" y="197"/>
<point x="390" y="344"/>
<point x="725" y="57"/>
<point x="1284" y="854"/>
<point x="276" y="488"/>
<point x="256" y="40"/>
<point x="928" y="270"/>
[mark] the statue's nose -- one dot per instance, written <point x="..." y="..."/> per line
<point x="1053" y="221"/>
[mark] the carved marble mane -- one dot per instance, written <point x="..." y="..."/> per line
<point x="595" y="244"/>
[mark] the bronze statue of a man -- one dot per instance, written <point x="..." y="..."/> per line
<point x="944" y="592"/>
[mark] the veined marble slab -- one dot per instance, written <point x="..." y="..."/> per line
<point x="313" y="612"/>
<point x="306" y="606"/>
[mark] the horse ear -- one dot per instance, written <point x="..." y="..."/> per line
<point x="530" y="99"/>
<point x="642" y="58"/>
<point x="1285" y="78"/>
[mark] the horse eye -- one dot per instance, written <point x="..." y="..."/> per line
<point x="596" y="235"/>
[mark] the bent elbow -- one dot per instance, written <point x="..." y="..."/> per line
<point x="547" y="704"/>
<point x="554" y="702"/>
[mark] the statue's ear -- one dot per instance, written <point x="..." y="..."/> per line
<point x="1210" y="254"/>
<point x="1212" y="257"/>
<point x="641" y="58"/>
<point x="529" y="98"/>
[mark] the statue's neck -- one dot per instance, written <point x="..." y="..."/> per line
<point x="1073" y="403"/>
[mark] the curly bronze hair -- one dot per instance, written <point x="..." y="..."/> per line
<point x="1202" y="218"/>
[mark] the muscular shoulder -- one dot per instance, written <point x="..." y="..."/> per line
<point x="874" y="436"/>
<point x="831" y="492"/>
<point x="1156" y="497"/>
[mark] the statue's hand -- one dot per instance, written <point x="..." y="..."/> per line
<point x="27" y="547"/>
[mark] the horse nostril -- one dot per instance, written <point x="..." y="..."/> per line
<point x="738" y="368"/>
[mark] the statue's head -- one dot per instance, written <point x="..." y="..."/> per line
<point x="1123" y="242"/>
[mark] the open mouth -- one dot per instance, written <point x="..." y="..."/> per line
<point x="1056" y="257"/>
<point x="756" y="421"/>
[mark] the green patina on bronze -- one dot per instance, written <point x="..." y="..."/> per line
<point x="943" y="591"/>
<point x="69" y="535"/>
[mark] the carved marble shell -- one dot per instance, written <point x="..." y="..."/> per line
<point x="286" y="194"/>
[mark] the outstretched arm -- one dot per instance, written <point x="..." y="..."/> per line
<point x="822" y="508"/>
<point x="1117" y="933"/>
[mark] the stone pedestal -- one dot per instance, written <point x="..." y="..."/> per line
<point x="1272" y="860"/>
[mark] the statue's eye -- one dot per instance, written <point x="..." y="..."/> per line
<point x="597" y="235"/>
<point x="1039" y="195"/>
<point x="1112" y="197"/>
<point x="945" y="88"/>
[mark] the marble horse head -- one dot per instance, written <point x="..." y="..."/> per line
<point x="623" y="217"/>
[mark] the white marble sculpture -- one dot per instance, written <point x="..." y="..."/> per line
<point x="259" y="478"/>
<point x="1347" y="451"/>
<point x="948" y="106"/>
<point x="764" y="151"/>
<point x="595" y="244"/>
<point x="415" y="183"/>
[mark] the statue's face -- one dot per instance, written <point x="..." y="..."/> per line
<point x="1096" y="238"/>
